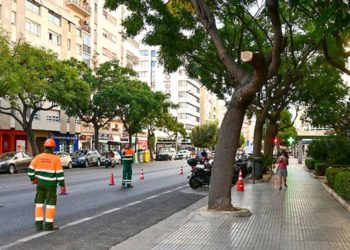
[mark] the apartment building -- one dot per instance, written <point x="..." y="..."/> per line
<point x="182" y="90"/>
<point x="71" y="28"/>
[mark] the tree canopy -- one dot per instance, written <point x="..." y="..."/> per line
<point x="205" y="136"/>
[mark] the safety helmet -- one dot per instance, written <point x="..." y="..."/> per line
<point x="50" y="143"/>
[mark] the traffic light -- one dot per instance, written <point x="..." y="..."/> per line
<point x="275" y="140"/>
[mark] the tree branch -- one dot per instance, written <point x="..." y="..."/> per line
<point x="330" y="60"/>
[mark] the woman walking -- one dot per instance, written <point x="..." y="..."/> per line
<point x="282" y="162"/>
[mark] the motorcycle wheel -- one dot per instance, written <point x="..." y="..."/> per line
<point x="194" y="182"/>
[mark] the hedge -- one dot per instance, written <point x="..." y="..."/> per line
<point x="320" y="168"/>
<point x="309" y="163"/>
<point x="331" y="173"/>
<point x="342" y="185"/>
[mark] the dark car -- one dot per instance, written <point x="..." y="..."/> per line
<point x="11" y="162"/>
<point x="86" y="158"/>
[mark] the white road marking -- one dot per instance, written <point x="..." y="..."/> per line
<point x="37" y="235"/>
<point x="19" y="185"/>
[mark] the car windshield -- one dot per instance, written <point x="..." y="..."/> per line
<point x="80" y="152"/>
<point x="182" y="151"/>
<point x="7" y="156"/>
<point x="164" y="150"/>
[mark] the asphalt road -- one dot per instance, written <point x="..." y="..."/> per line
<point x="94" y="215"/>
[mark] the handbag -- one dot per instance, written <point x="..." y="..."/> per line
<point x="275" y="169"/>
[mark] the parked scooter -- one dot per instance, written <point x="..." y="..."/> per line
<point x="200" y="176"/>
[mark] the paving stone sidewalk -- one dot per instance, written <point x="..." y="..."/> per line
<point x="304" y="216"/>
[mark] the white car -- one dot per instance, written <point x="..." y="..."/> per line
<point x="183" y="154"/>
<point x="66" y="160"/>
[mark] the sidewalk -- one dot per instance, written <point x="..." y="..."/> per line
<point x="303" y="217"/>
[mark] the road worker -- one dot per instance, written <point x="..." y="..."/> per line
<point x="128" y="155"/>
<point x="46" y="171"/>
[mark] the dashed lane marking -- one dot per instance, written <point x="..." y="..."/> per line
<point x="38" y="235"/>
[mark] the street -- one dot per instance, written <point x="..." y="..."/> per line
<point x="94" y="215"/>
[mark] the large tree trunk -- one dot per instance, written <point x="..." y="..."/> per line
<point x="31" y="138"/>
<point x="271" y="133"/>
<point x="258" y="135"/>
<point x="130" y="139"/>
<point x="221" y="178"/>
<point x="96" y="129"/>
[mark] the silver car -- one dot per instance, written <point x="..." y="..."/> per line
<point x="11" y="162"/>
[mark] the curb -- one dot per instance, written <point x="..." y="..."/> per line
<point x="339" y="199"/>
<point x="306" y="169"/>
<point x="318" y="177"/>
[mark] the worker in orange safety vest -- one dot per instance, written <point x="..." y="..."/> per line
<point x="46" y="171"/>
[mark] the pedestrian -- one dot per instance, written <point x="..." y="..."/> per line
<point x="282" y="163"/>
<point x="46" y="171"/>
<point x="128" y="156"/>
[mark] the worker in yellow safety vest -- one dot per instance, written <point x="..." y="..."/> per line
<point x="46" y="171"/>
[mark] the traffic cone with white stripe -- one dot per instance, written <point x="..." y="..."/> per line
<point x="181" y="171"/>
<point x="142" y="176"/>
<point x="240" y="182"/>
<point x="111" y="180"/>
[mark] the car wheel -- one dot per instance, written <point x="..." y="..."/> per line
<point x="98" y="163"/>
<point x="86" y="163"/>
<point x="70" y="165"/>
<point x="12" y="169"/>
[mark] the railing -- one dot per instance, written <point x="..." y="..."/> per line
<point x="81" y="4"/>
<point x="87" y="49"/>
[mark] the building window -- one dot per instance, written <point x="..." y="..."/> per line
<point x="69" y="26"/>
<point x="105" y="14"/>
<point x="79" y="49"/>
<point x="68" y="44"/>
<point x="104" y="34"/>
<point x="32" y="27"/>
<point x="181" y="72"/>
<point x="32" y="6"/>
<point x="142" y="73"/>
<point x="182" y="83"/>
<point x="54" y="38"/>
<point x="153" y="53"/>
<point x="77" y="120"/>
<point x="37" y="116"/>
<point x="153" y="64"/>
<point x="79" y="33"/>
<point x="13" y="17"/>
<point x="143" y="63"/>
<point x="53" y="118"/>
<point x="143" y="52"/>
<point x="182" y="93"/>
<point x="54" y="18"/>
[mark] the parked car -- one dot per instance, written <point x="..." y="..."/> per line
<point x="166" y="154"/>
<point x="86" y="158"/>
<point x="66" y="160"/>
<point x="11" y="162"/>
<point x="116" y="160"/>
<point x="183" y="154"/>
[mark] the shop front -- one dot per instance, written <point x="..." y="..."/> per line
<point x="13" y="140"/>
<point x="66" y="142"/>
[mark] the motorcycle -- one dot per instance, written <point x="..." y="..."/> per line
<point x="200" y="177"/>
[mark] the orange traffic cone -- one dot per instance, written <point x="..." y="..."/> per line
<point x="142" y="177"/>
<point x="111" y="180"/>
<point x="63" y="191"/>
<point x="181" y="171"/>
<point x="240" y="182"/>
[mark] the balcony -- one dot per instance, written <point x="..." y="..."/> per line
<point x="79" y="6"/>
<point x="85" y="26"/>
<point x="86" y="49"/>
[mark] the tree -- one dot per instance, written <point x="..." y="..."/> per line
<point x="220" y="46"/>
<point x="172" y="127"/>
<point x="241" y="140"/>
<point x="42" y="82"/>
<point x="6" y="85"/>
<point x="286" y="128"/>
<point x="205" y="136"/>
<point x="101" y="106"/>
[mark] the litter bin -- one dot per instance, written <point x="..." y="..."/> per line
<point x="257" y="168"/>
<point x="147" y="156"/>
<point x="141" y="156"/>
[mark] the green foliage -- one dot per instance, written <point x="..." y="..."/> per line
<point x="320" y="168"/>
<point x="310" y="164"/>
<point x="241" y="140"/>
<point x="342" y="185"/>
<point x="267" y="161"/>
<point x="318" y="150"/>
<point x="172" y="125"/>
<point x="38" y="81"/>
<point x="205" y="136"/>
<point x="287" y="130"/>
<point x="331" y="173"/>
<point x="335" y="150"/>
